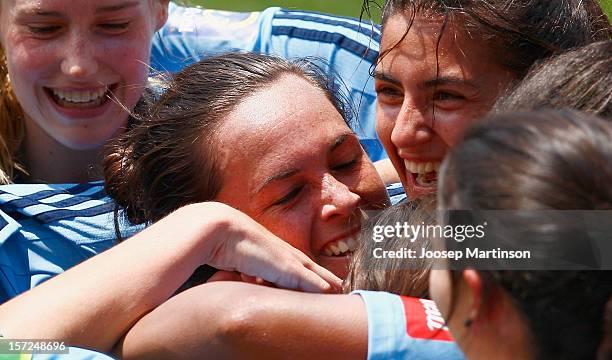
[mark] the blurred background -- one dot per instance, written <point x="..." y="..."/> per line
<point x="340" y="7"/>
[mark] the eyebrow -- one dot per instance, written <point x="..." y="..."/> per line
<point x="440" y="81"/>
<point x="383" y="76"/>
<point x="280" y="176"/>
<point x="36" y="11"/>
<point x="285" y="174"/>
<point x="117" y="7"/>
<point x="339" y="141"/>
<point x="448" y="80"/>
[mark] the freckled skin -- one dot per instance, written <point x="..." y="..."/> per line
<point x="76" y="48"/>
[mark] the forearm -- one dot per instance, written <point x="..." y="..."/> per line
<point x="236" y="320"/>
<point x="93" y="304"/>
<point x="386" y="171"/>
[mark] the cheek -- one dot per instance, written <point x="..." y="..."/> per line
<point x="385" y="121"/>
<point x="27" y="63"/>
<point x="371" y="188"/>
<point x="294" y="227"/>
<point x="451" y="127"/>
<point x="133" y="71"/>
<point x="136" y="52"/>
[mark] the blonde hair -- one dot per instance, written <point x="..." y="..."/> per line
<point x="12" y="128"/>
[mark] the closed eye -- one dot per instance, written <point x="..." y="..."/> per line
<point x="44" y="30"/>
<point x="290" y="196"/>
<point x="115" y="27"/>
<point x="345" y="166"/>
<point x="444" y="96"/>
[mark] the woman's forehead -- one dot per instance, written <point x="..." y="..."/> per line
<point x="288" y="106"/>
<point x="64" y="7"/>
<point x="421" y="52"/>
<point x="289" y="120"/>
<point x="426" y="36"/>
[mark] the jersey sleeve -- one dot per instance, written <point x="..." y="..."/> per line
<point x="401" y="327"/>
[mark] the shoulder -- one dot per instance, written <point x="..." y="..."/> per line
<point x="47" y="228"/>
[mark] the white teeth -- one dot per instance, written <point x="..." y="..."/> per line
<point x="340" y="247"/>
<point x="422" y="167"/>
<point x="80" y="96"/>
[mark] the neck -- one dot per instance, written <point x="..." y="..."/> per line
<point x="501" y="334"/>
<point x="48" y="161"/>
<point x="494" y="347"/>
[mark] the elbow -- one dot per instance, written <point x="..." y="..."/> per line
<point x="241" y="331"/>
<point x="239" y="321"/>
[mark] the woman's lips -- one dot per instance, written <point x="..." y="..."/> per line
<point x="81" y="102"/>
<point x="340" y="247"/>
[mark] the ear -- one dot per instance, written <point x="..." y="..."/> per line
<point x="161" y="13"/>
<point x="473" y="282"/>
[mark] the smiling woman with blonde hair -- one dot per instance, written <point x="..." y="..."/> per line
<point x="67" y="75"/>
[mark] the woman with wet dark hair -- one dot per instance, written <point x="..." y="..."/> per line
<point x="444" y="63"/>
<point x="535" y="161"/>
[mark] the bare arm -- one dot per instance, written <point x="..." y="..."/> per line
<point x="94" y="304"/>
<point x="386" y="171"/>
<point x="232" y="320"/>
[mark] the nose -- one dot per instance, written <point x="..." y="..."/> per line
<point x="79" y="58"/>
<point x="412" y="127"/>
<point x="337" y="199"/>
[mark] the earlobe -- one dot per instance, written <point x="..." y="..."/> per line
<point x="473" y="281"/>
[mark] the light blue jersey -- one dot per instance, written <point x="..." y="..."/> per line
<point x="347" y="47"/>
<point x="47" y="229"/>
<point x="401" y="327"/>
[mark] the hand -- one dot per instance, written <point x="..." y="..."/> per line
<point x="240" y="244"/>
<point x="223" y="275"/>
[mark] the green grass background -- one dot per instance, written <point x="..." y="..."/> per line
<point x="340" y="7"/>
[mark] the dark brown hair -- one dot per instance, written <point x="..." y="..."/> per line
<point x="545" y="160"/>
<point x="579" y="79"/>
<point x="395" y="275"/>
<point x="167" y="159"/>
<point x="518" y="32"/>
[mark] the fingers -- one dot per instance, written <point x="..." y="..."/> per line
<point x="243" y="245"/>
<point x="256" y="280"/>
<point x="223" y="275"/>
<point x="310" y="281"/>
<point x="296" y="271"/>
<point x="334" y="281"/>
<point x="315" y="283"/>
